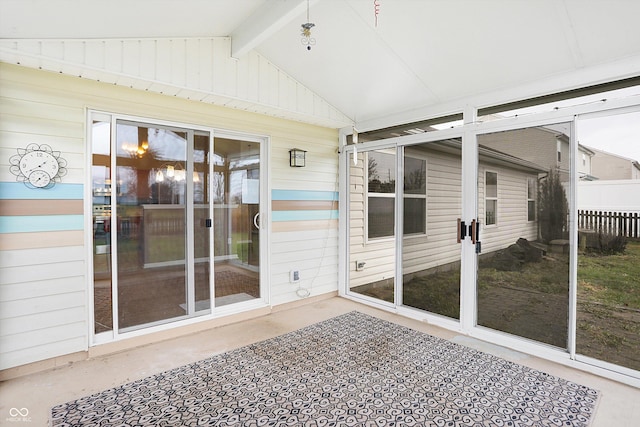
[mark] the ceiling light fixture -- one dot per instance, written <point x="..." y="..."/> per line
<point x="307" y="40"/>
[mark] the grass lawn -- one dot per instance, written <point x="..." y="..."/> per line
<point x="612" y="280"/>
<point x="533" y="303"/>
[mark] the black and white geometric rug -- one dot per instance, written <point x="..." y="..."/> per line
<point x="351" y="370"/>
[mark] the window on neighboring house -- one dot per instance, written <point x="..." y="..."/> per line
<point x="532" y="190"/>
<point x="584" y="159"/>
<point x="381" y="189"/>
<point x="490" y="198"/>
<point x="559" y="149"/>
<point x="415" y="196"/>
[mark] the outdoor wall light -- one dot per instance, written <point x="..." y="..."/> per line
<point x="297" y="158"/>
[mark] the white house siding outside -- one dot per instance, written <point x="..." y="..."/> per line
<point x="584" y="163"/>
<point x="44" y="282"/>
<point x="437" y="247"/>
<point x="511" y="217"/>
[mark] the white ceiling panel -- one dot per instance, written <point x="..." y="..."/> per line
<point x="423" y="55"/>
<point x="349" y="64"/>
<point x="122" y="18"/>
<point x="605" y="30"/>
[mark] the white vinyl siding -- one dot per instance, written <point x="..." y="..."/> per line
<point x="512" y="209"/>
<point x="42" y="304"/>
<point x="490" y="198"/>
<point x="187" y="68"/>
<point x="444" y="206"/>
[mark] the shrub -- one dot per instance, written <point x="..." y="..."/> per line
<point x="552" y="208"/>
<point x="609" y="244"/>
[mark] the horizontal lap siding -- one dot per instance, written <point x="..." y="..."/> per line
<point x="444" y="204"/>
<point x="43" y="259"/>
<point x="312" y="252"/>
<point x="512" y="210"/>
<point x="378" y="254"/>
<point x="43" y="291"/>
<point x="304" y="211"/>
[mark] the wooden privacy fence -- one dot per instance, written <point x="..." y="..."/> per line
<point x="618" y="223"/>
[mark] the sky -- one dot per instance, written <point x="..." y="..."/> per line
<point x="619" y="134"/>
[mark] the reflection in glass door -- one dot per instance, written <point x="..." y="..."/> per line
<point x="372" y="200"/>
<point x="101" y="220"/>
<point x="201" y="220"/>
<point x="176" y="221"/>
<point x="608" y="203"/>
<point x="523" y="270"/>
<point x="151" y="201"/>
<point x="236" y="197"/>
<point x="432" y="203"/>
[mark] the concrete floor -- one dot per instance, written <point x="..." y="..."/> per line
<point x="619" y="405"/>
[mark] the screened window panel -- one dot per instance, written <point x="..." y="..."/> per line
<point x="381" y="217"/>
<point x="415" y="213"/>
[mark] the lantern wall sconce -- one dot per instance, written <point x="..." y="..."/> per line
<point x="297" y="158"/>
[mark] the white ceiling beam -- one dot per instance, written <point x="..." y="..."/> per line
<point x="264" y="22"/>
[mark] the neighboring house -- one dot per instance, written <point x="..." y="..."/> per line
<point x="507" y="198"/>
<point x="611" y="166"/>
<point x="585" y="159"/>
<point x="546" y="147"/>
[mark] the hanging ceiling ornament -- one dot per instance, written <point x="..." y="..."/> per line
<point x="307" y="40"/>
<point x="376" y="10"/>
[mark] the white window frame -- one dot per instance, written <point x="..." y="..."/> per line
<point x="532" y="198"/>
<point x="377" y="195"/>
<point x="417" y="196"/>
<point x="487" y="198"/>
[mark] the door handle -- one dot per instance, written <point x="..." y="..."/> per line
<point x="255" y="220"/>
<point x="474" y="231"/>
<point x="462" y="230"/>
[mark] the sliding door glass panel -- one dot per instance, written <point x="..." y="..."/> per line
<point x="372" y="247"/>
<point x="236" y="195"/>
<point x="523" y="270"/>
<point x="608" y="201"/>
<point x="202" y="220"/>
<point x="432" y="200"/>
<point x="151" y="215"/>
<point x="101" y="215"/>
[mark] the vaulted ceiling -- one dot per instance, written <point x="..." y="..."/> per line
<point x="407" y="61"/>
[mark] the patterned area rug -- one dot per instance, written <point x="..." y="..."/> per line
<point x="351" y="370"/>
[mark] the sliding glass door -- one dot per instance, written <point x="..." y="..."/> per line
<point x="236" y="197"/>
<point x="176" y="223"/>
<point x="372" y="225"/>
<point x="432" y="203"/>
<point x="415" y="192"/>
<point x="153" y="199"/>
<point x="524" y="219"/>
<point x="608" y="202"/>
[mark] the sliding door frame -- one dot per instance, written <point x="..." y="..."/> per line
<point x="192" y="316"/>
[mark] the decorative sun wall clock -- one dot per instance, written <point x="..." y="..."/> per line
<point x="38" y="166"/>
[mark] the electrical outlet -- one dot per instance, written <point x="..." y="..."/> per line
<point x="294" y="276"/>
<point x="360" y="265"/>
